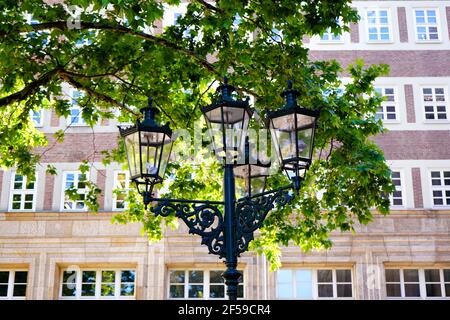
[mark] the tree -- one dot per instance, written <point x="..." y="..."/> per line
<point x="108" y="50"/>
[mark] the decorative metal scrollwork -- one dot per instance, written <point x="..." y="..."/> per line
<point x="251" y="213"/>
<point x="205" y="220"/>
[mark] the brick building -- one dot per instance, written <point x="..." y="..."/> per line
<point x="51" y="248"/>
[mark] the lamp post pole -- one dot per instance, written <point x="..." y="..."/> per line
<point x="231" y="275"/>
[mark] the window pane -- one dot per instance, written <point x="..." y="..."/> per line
<point x="217" y="291"/>
<point x="446" y="275"/>
<point x="176" y="291"/>
<point x="20" y="277"/>
<point x="304" y="290"/>
<point x="108" y="276"/>
<point x="411" y="275"/>
<point x="324" y="276"/>
<point x="344" y="290"/>
<point x="127" y="276"/>
<point x="325" y="290"/>
<point x="69" y="276"/>
<point x="393" y="290"/>
<point x="412" y="290"/>
<point x="176" y="276"/>
<point x="343" y="276"/>
<point x="195" y="276"/>
<point x="3" y="290"/>
<point x="215" y="277"/>
<point x="68" y="290"/>
<point x="88" y="290"/>
<point x="127" y="289"/>
<point x="89" y="276"/>
<point x="107" y="290"/>
<point x="284" y="276"/>
<point x="432" y="275"/>
<point x="434" y="290"/>
<point x="284" y="291"/>
<point x="195" y="291"/>
<point x="4" y="277"/>
<point x="20" y="290"/>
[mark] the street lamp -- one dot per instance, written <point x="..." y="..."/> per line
<point x="226" y="232"/>
<point x="292" y="130"/>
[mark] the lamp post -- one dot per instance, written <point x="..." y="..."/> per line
<point x="227" y="231"/>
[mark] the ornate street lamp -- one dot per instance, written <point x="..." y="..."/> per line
<point x="226" y="232"/>
<point x="227" y="120"/>
<point x="148" y="146"/>
<point x="292" y="130"/>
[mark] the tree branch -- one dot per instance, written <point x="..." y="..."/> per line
<point x="210" y="6"/>
<point x="30" y="88"/>
<point x="100" y="96"/>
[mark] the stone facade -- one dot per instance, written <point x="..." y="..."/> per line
<point x="415" y="236"/>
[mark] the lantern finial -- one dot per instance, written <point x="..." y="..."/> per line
<point x="289" y="84"/>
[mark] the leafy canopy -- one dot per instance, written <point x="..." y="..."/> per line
<point x="116" y="53"/>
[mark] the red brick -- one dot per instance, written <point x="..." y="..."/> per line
<point x="48" y="193"/>
<point x="77" y="147"/>
<point x="402" y="63"/>
<point x="415" y="145"/>
<point x="101" y="179"/>
<point x="402" y="24"/>
<point x="354" y="33"/>
<point x="409" y="100"/>
<point x="447" y="12"/>
<point x="54" y="121"/>
<point x="417" y="187"/>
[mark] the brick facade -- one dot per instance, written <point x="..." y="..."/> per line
<point x="402" y="25"/>
<point x="49" y="191"/>
<point x="417" y="187"/>
<point x="409" y="100"/>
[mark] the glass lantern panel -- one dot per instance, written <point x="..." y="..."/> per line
<point x="304" y="140"/>
<point x="132" y="147"/>
<point x="150" y="153"/>
<point x="167" y="148"/>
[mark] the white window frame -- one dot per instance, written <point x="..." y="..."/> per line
<point x="41" y="117"/>
<point x="422" y="283"/>
<point x="441" y="187"/>
<point x="427" y="25"/>
<point x="127" y="188"/>
<point x="63" y="190"/>
<point x="315" y="283"/>
<point x="98" y="284"/>
<point x="378" y="25"/>
<point x="400" y="188"/>
<point x="75" y="106"/>
<point x="435" y="103"/>
<point x="386" y="104"/>
<point x="11" y="283"/>
<point x="206" y="284"/>
<point x="23" y="193"/>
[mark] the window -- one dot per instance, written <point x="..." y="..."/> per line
<point x="121" y="186"/>
<point x="314" y="284"/>
<point x="388" y="108"/>
<point x="427" y="28"/>
<point x="417" y="283"/>
<point x="76" y="113"/>
<point x="440" y="187"/>
<point x="435" y="103"/>
<point x="378" y="25"/>
<point x="36" y="117"/>
<point x="75" y="180"/>
<point x="13" y="284"/>
<point x="199" y="284"/>
<point x="397" y="196"/>
<point x="23" y="193"/>
<point x="329" y="36"/>
<point x="98" y="284"/>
